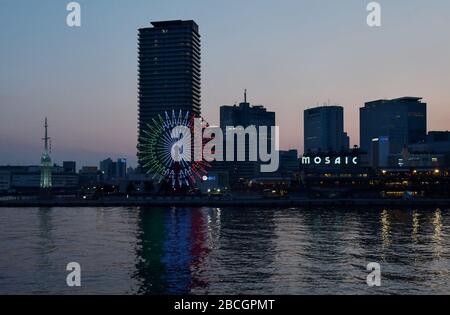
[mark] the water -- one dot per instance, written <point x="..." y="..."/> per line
<point x="224" y="251"/>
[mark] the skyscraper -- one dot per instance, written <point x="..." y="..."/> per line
<point x="324" y="129"/>
<point x="402" y="121"/>
<point x="169" y="70"/>
<point x="113" y="170"/>
<point x="245" y="115"/>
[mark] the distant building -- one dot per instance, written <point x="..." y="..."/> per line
<point x="130" y="171"/>
<point x="402" y="120"/>
<point x="169" y="71"/>
<point x="214" y="182"/>
<point x="439" y="138"/>
<point x="346" y="142"/>
<point x="111" y="170"/>
<point x="28" y="179"/>
<point x="121" y="168"/>
<point x="5" y="181"/>
<point x="70" y="166"/>
<point x="31" y="181"/>
<point x="289" y="163"/>
<point x="379" y="152"/>
<point x="408" y="159"/>
<point x="107" y="168"/>
<point x="89" y="176"/>
<point x="324" y="130"/>
<point x="436" y="142"/>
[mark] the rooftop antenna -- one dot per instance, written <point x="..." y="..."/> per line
<point x="46" y="137"/>
<point x="245" y="96"/>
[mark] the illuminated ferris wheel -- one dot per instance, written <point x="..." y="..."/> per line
<point x="167" y="157"/>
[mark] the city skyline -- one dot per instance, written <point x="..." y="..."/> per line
<point x="88" y="86"/>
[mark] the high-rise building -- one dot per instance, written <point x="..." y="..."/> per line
<point x="324" y="130"/>
<point x="169" y="71"/>
<point x="121" y="168"/>
<point x="111" y="170"/>
<point x="245" y="115"/>
<point x="403" y="121"/>
<point x="107" y="168"/>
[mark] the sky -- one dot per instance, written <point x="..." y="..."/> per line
<point x="289" y="54"/>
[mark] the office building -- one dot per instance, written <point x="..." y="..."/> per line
<point x="28" y="179"/>
<point x="379" y="156"/>
<point x="70" y="166"/>
<point x="121" y="168"/>
<point x="245" y="115"/>
<point x="169" y="71"/>
<point x="89" y="176"/>
<point x="5" y="181"/>
<point x="289" y="163"/>
<point x="402" y="120"/>
<point x="113" y="170"/>
<point x="107" y="169"/>
<point x="324" y="130"/>
<point x="436" y="142"/>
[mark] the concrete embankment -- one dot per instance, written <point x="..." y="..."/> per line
<point x="206" y="202"/>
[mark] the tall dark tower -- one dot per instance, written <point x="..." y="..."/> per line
<point x="169" y="71"/>
<point x="403" y="121"/>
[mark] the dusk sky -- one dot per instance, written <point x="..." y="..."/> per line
<point x="290" y="55"/>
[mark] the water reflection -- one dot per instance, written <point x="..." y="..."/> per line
<point x="173" y="247"/>
<point x="225" y="251"/>
<point x="415" y="226"/>
<point x="150" y="269"/>
<point x="437" y="236"/>
<point x="385" y="232"/>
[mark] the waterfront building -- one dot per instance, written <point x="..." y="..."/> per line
<point x="244" y="115"/>
<point x="169" y="71"/>
<point x="28" y="179"/>
<point x="324" y="130"/>
<point x="417" y="159"/>
<point x="379" y="152"/>
<point x="402" y="120"/>
<point x="436" y="142"/>
<point x="89" y="176"/>
<point x="5" y="181"/>
<point x="214" y="183"/>
<point x="289" y="163"/>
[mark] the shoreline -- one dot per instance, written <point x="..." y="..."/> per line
<point x="188" y="202"/>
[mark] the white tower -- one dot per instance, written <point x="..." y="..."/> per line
<point x="46" y="162"/>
